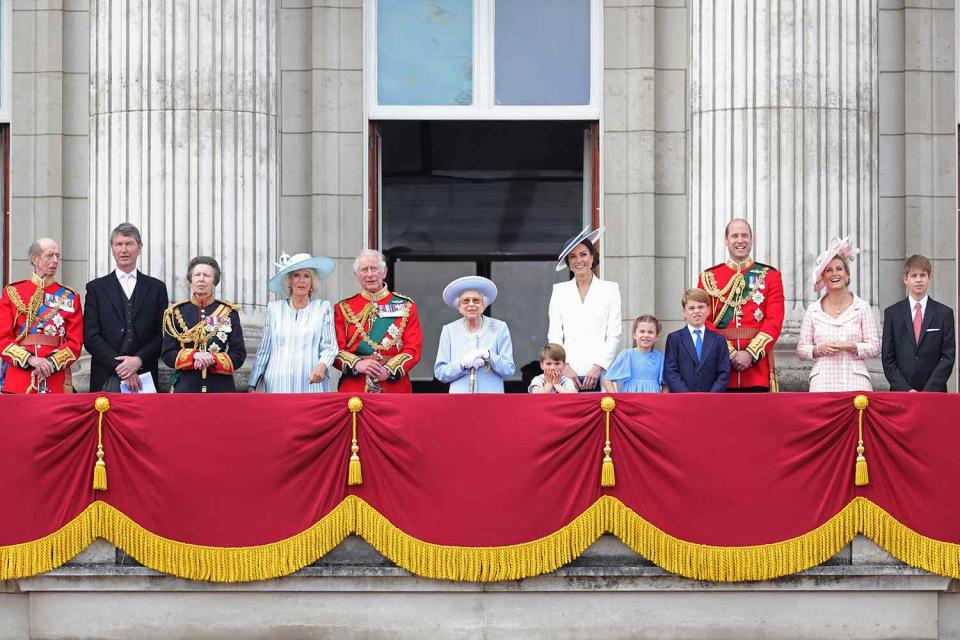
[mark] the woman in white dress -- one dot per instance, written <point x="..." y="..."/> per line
<point x="839" y="331"/>
<point x="585" y="313"/>
<point x="475" y="354"/>
<point x="299" y="340"/>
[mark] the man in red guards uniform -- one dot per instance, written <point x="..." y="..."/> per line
<point x="41" y="327"/>
<point x="746" y="306"/>
<point x="378" y="332"/>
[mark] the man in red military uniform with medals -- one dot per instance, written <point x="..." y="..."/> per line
<point x="746" y="306"/>
<point x="378" y="333"/>
<point x="41" y="327"/>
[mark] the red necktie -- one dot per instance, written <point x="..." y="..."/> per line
<point x="917" y="321"/>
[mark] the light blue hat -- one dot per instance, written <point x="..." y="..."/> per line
<point x="321" y="265"/>
<point x="453" y="291"/>
<point x="586" y="234"/>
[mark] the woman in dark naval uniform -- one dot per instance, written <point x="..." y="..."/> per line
<point x="202" y="338"/>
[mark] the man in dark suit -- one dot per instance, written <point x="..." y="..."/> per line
<point x="918" y="343"/>
<point x="696" y="358"/>
<point x="122" y="326"/>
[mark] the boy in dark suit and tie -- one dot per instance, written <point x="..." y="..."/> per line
<point x="918" y="348"/>
<point x="696" y="358"/>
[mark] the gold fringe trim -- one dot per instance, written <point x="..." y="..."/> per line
<point x="483" y="564"/>
<point x="733" y="564"/>
<point x="905" y="544"/>
<point x="181" y="559"/>
<point x="49" y="552"/>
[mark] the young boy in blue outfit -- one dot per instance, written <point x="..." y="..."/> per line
<point x="695" y="358"/>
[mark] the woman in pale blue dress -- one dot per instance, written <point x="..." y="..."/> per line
<point x="299" y="340"/>
<point x="638" y="370"/>
<point x="475" y="352"/>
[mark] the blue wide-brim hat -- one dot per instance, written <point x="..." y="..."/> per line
<point x="586" y="234"/>
<point x="321" y="265"/>
<point x="484" y="286"/>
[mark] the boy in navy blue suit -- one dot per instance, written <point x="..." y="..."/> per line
<point x="696" y="358"/>
<point x="918" y="344"/>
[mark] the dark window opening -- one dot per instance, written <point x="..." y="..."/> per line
<point x="496" y="199"/>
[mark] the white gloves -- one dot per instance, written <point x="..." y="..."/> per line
<point x="475" y="359"/>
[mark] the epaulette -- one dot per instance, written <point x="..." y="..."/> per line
<point x="233" y="307"/>
<point x="716" y="266"/>
<point x="765" y="266"/>
<point x="70" y="289"/>
<point x="400" y="295"/>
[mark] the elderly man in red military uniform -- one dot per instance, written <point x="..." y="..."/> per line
<point x="41" y="327"/>
<point x="746" y="306"/>
<point x="378" y="332"/>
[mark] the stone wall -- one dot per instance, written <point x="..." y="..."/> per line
<point x="48" y="132"/>
<point x="644" y="155"/>
<point x="322" y="134"/>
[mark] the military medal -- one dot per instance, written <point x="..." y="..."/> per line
<point x="758" y="315"/>
<point x="757" y="297"/>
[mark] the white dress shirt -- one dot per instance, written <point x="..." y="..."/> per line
<point x="589" y="330"/>
<point x="128" y="281"/>
<point x="702" y="329"/>
<point x="923" y="306"/>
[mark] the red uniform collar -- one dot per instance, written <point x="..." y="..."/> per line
<point x="43" y="283"/>
<point x="203" y="304"/>
<point x="378" y="296"/>
<point x="740" y="266"/>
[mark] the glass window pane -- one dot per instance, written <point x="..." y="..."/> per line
<point x="542" y="51"/>
<point x="425" y="52"/>
<point x="424" y="282"/>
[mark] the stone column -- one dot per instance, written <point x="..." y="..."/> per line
<point x="784" y="132"/>
<point x="183" y="137"/>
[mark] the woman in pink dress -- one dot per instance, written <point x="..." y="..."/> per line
<point x="839" y="330"/>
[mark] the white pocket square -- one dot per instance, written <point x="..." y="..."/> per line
<point x="929" y="330"/>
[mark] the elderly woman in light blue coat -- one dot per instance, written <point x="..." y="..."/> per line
<point x="475" y="352"/>
<point x="299" y="340"/>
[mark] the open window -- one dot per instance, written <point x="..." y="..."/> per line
<point x="483" y="151"/>
<point x="496" y="199"/>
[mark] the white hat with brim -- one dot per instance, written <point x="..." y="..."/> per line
<point x="586" y="234"/>
<point x="839" y="248"/>
<point x="320" y="265"/>
<point x="483" y="286"/>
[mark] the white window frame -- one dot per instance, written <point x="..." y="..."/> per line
<point x="6" y="67"/>
<point x="483" y="107"/>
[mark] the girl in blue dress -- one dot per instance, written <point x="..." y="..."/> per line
<point x="638" y="370"/>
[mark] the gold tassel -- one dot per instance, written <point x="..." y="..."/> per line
<point x="102" y="405"/>
<point x="862" y="475"/>
<point x="607" y="476"/>
<point x="355" y="475"/>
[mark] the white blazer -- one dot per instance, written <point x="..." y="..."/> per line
<point x="590" y="330"/>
